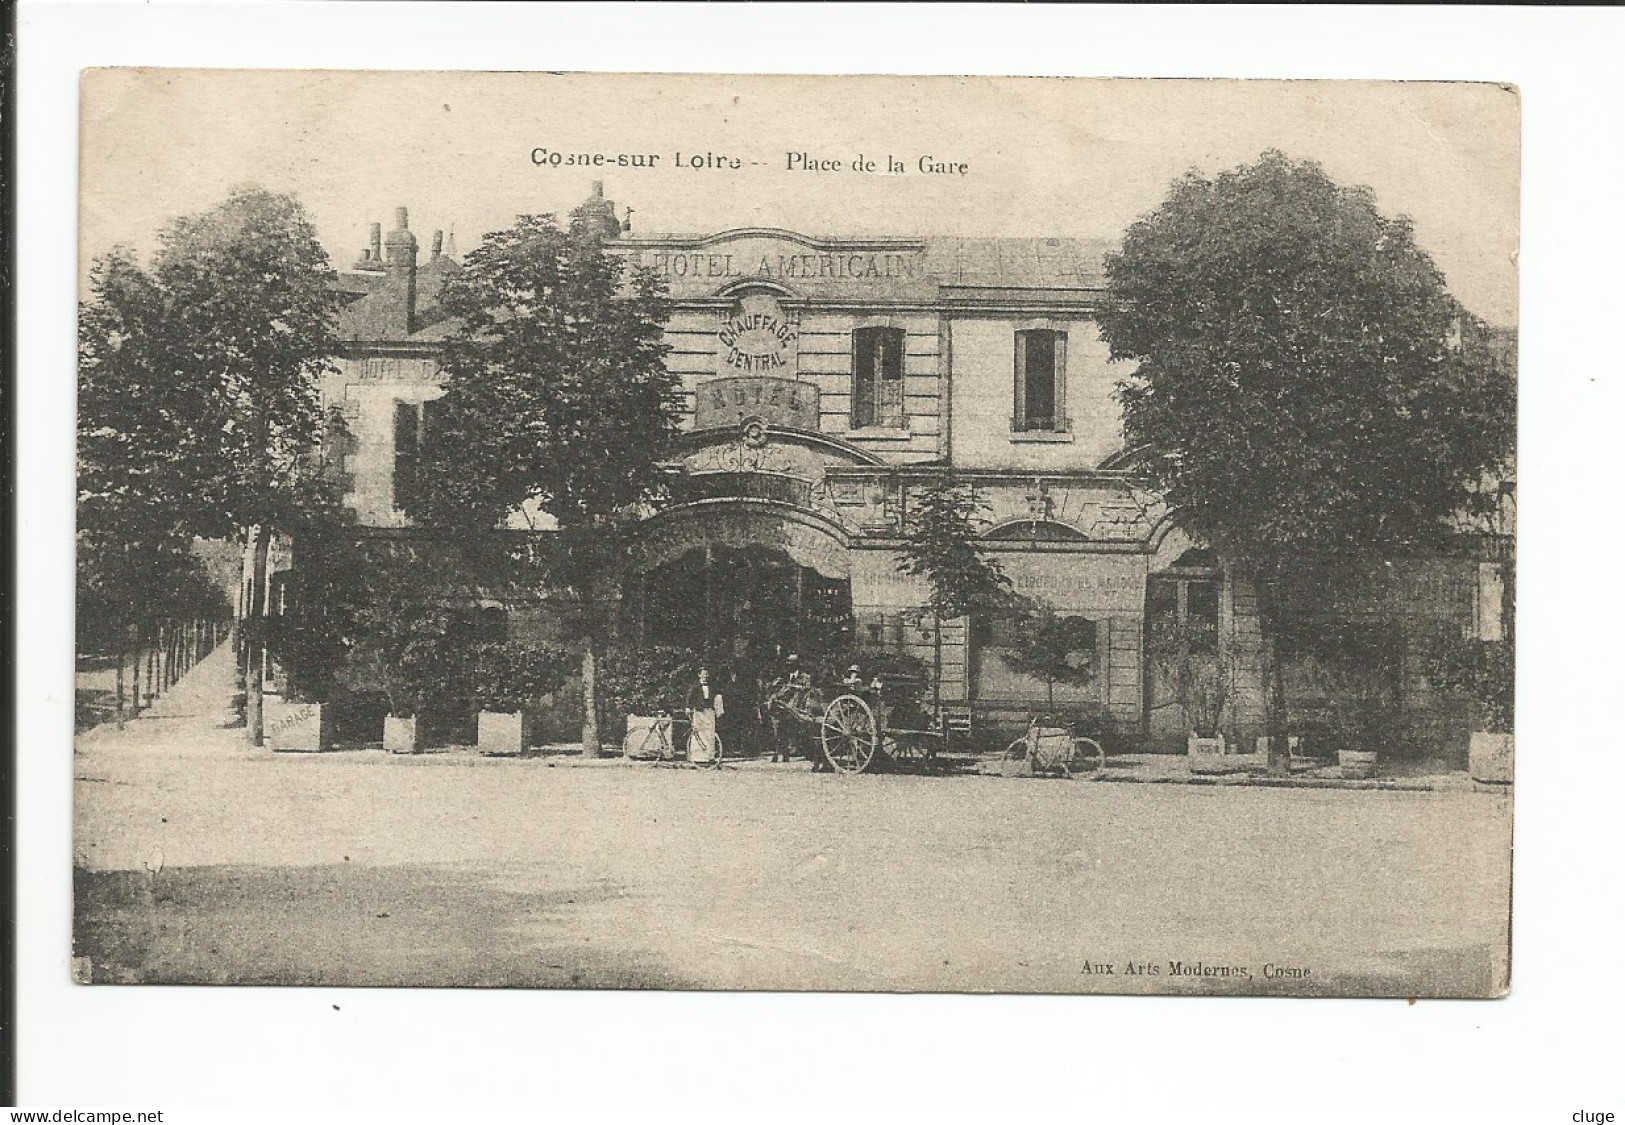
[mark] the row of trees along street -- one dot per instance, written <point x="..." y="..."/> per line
<point x="198" y="416"/>
<point x="1298" y="402"/>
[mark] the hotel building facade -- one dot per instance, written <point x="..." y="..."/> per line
<point x="829" y="378"/>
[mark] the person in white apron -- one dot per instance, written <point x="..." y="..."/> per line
<point x="704" y="707"/>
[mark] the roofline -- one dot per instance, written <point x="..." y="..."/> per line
<point x="824" y="242"/>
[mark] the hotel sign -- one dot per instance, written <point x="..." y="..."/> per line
<point x="778" y="402"/>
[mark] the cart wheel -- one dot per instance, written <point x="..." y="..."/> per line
<point x="850" y="734"/>
<point x="1088" y="759"/>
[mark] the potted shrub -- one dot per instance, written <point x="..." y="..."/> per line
<point x="416" y="651"/>
<point x="510" y="678"/>
<point x="310" y="644"/>
<point x="1362" y="729"/>
<point x="1481" y="672"/>
<point x="1188" y="653"/>
<point x="1348" y="668"/>
<point x="1204" y="691"/>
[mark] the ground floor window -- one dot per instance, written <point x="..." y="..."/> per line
<point x="1018" y="659"/>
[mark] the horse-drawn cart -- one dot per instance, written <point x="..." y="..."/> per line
<point x="855" y="729"/>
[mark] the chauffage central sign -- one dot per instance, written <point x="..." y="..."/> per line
<point x="758" y="336"/>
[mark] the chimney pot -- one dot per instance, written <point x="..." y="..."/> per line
<point x="598" y="189"/>
<point x="434" y="246"/>
<point x="377" y="239"/>
<point x="400" y="218"/>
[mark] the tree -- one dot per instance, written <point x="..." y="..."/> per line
<point x="940" y="545"/>
<point x="558" y="407"/>
<point x="1300" y="400"/>
<point x="199" y="406"/>
<point x="1054" y="648"/>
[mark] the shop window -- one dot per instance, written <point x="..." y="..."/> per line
<point x="1040" y="381"/>
<point x="1183" y="615"/>
<point x="877" y="378"/>
<point x="995" y="669"/>
<point x="1322" y="660"/>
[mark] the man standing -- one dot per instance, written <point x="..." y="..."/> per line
<point x="787" y="700"/>
<point x="704" y="707"/>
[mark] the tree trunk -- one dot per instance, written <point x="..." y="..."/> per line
<point x="135" y="677"/>
<point x="152" y="669"/>
<point x="936" y="680"/>
<point x="255" y="639"/>
<point x="590" y="747"/>
<point x="118" y="693"/>
<point x="1275" y="700"/>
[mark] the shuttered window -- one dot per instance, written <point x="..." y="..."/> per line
<point x="1040" y="381"/>
<point x="877" y="378"/>
<point x="408" y="422"/>
<point x="415" y="426"/>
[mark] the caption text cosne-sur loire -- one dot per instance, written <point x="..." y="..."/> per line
<point x="887" y="165"/>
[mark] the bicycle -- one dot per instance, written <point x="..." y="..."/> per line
<point x="1054" y="749"/>
<point x="660" y="743"/>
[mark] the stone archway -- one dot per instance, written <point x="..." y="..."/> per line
<point x="743" y="580"/>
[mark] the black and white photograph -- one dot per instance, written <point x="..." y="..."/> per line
<point x="637" y="531"/>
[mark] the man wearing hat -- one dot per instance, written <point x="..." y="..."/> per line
<point x="784" y="694"/>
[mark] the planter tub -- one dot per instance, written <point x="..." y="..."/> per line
<point x="1210" y="755"/>
<point x="504" y="732"/>
<point x="1357" y="764"/>
<point x="304" y="727"/>
<point x="1489" y="757"/>
<point x="401" y="736"/>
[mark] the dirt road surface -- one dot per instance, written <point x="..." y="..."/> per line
<point x="201" y="861"/>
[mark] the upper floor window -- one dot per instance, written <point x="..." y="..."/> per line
<point x="414" y="426"/>
<point x="877" y="378"/>
<point x="1040" y="381"/>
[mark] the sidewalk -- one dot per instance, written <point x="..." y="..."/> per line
<point x="186" y="722"/>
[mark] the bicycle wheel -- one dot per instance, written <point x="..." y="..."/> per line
<point x="1017" y="759"/>
<point x="655" y="744"/>
<point x="1088" y="759"/>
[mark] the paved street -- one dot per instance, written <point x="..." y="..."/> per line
<point x="203" y="861"/>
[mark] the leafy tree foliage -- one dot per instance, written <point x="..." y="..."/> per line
<point x="199" y="403"/>
<point x="558" y="407"/>
<point x="1308" y="397"/>
<point x="941" y="546"/>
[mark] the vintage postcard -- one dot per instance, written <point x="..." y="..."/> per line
<point x="628" y="531"/>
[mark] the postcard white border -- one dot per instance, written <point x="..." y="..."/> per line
<point x="1557" y="1040"/>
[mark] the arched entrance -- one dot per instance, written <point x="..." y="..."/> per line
<point x="744" y="580"/>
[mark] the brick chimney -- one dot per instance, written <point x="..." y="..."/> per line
<point x="599" y="213"/>
<point x="401" y="263"/>
<point x="372" y="258"/>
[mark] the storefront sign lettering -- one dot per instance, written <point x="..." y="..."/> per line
<point x="784" y="267"/>
<point x="778" y="402"/>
